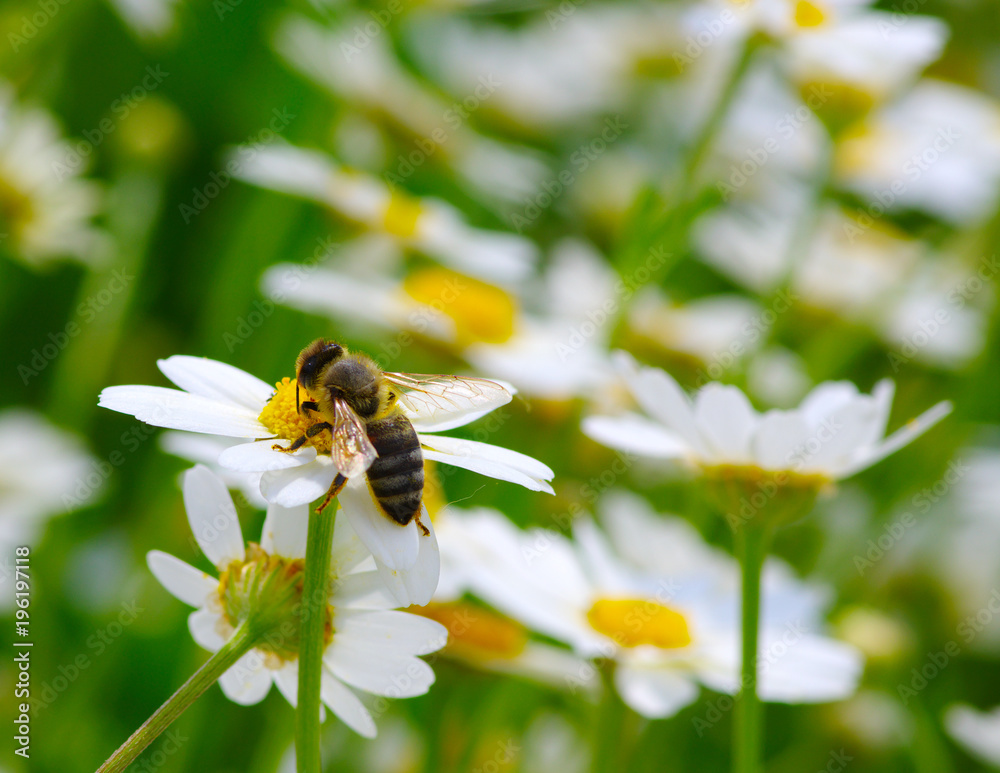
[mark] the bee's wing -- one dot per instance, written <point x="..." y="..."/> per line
<point x="443" y="401"/>
<point x="352" y="451"/>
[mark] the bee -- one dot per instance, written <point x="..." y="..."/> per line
<point x="361" y="406"/>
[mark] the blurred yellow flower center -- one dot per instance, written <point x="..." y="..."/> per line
<point x="401" y="215"/>
<point x="281" y="417"/>
<point x="16" y="209"/>
<point x="474" y="633"/>
<point x="481" y="312"/>
<point x="633" y="622"/>
<point x="808" y="15"/>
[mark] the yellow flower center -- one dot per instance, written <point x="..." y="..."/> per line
<point x="474" y="633"/>
<point x="16" y="209"/>
<point x="401" y="215"/>
<point x="481" y="312"/>
<point x="633" y="622"/>
<point x="266" y="590"/>
<point x="808" y="14"/>
<point x="282" y="418"/>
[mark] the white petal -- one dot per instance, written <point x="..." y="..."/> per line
<point x="182" y="580"/>
<point x="654" y="692"/>
<point x="635" y="434"/>
<point x="494" y="461"/>
<point x="390" y="630"/>
<point x="287" y="680"/>
<point x="248" y="681"/>
<point x="417" y="584"/>
<point x="396" y="546"/>
<point x="840" y="435"/>
<point x="662" y="398"/>
<point x="174" y="409"/>
<point x="346" y="706"/>
<point x="901" y="437"/>
<point x="826" y="398"/>
<point x="206" y="629"/>
<point x="348" y="551"/>
<point x="780" y="440"/>
<point x="298" y="485"/>
<point x="807" y="669"/>
<point x="217" y="380"/>
<point x="363" y="590"/>
<point x="260" y="457"/>
<point x="882" y="395"/>
<point x="212" y="516"/>
<point x="726" y="420"/>
<point x="285" y="530"/>
<point x="375" y="672"/>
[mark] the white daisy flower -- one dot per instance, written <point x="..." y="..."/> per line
<point x="429" y="225"/>
<point x="44" y="471"/>
<point x="976" y="731"/>
<point x="668" y="627"/>
<point x="936" y="149"/>
<point x="371" y="648"/>
<point x="45" y="207"/>
<point x="834" y="433"/>
<point x="219" y="399"/>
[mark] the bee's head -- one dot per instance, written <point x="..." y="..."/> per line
<point x="313" y="361"/>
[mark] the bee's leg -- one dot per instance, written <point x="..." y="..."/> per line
<point x="309" y="405"/>
<point x="314" y="430"/>
<point x="424" y="529"/>
<point x="335" y="488"/>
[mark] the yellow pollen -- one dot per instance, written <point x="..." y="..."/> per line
<point x="481" y="312"/>
<point x="474" y="633"/>
<point x="633" y="622"/>
<point x="401" y="215"/>
<point x="808" y="14"/>
<point x="433" y="492"/>
<point x="281" y="418"/>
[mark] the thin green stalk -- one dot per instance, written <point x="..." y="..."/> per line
<point x="177" y="703"/>
<point x="751" y="550"/>
<point x="613" y="735"/>
<point x="315" y="592"/>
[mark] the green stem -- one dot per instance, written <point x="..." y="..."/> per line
<point x="751" y="549"/>
<point x="315" y="593"/>
<point x="695" y="156"/>
<point x="177" y="703"/>
<point x="613" y="733"/>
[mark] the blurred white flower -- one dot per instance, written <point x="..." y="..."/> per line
<point x="46" y="208"/>
<point x="936" y="149"/>
<point x="429" y="225"/>
<point x="44" y="471"/>
<point x="977" y="731"/>
<point x="834" y="433"/>
<point x="219" y="399"/>
<point x="371" y="76"/>
<point x="148" y="18"/>
<point x="372" y="648"/>
<point x="668" y="625"/>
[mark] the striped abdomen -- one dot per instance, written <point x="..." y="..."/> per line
<point x="396" y="477"/>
